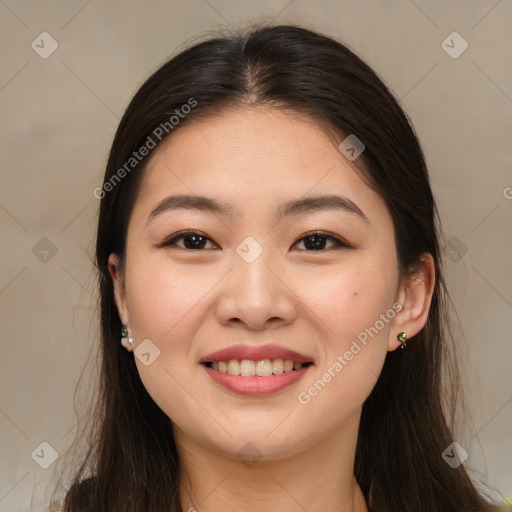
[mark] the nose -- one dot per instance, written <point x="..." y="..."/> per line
<point x="256" y="295"/>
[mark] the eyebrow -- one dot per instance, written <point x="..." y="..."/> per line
<point x="295" y="207"/>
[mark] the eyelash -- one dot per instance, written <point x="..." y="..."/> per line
<point x="338" y="242"/>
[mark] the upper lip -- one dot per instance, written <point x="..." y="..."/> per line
<point x="255" y="354"/>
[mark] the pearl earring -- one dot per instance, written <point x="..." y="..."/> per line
<point x="402" y="337"/>
<point x="126" y="339"/>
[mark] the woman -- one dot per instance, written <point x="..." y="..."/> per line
<point x="269" y="254"/>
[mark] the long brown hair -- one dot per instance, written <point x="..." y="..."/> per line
<point x="131" y="462"/>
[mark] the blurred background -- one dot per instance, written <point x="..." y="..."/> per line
<point x="68" y="70"/>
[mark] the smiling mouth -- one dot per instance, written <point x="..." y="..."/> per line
<point x="260" y="368"/>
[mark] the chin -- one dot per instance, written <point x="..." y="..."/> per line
<point x="253" y="446"/>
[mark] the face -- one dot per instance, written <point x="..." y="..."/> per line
<point x="199" y="280"/>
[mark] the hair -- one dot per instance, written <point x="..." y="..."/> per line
<point x="131" y="462"/>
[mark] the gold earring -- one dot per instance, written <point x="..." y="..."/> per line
<point x="402" y="337"/>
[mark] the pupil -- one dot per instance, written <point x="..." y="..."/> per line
<point x="198" y="241"/>
<point x="317" y="241"/>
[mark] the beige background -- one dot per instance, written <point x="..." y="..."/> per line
<point x="58" y="119"/>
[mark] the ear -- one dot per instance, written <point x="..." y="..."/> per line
<point x="415" y="297"/>
<point x="118" y="279"/>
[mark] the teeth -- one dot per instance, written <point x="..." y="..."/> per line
<point x="264" y="368"/>
<point x="234" y="367"/>
<point x="288" y="366"/>
<point x="277" y="366"/>
<point x="247" y="368"/>
<point x="261" y="368"/>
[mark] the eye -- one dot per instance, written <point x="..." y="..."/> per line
<point x="195" y="240"/>
<point x="192" y="240"/>
<point x="317" y="240"/>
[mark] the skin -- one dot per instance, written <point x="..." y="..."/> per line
<point x="191" y="302"/>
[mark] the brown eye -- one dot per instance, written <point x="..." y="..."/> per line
<point x="192" y="240"/>
<point x="317" y="241"/>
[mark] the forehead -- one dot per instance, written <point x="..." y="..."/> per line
<point x="252" y="159"/>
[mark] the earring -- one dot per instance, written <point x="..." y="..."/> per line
<point x="402" y="337"/>
<point x="126" y="339"/>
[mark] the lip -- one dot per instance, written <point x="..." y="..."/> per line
<point x="256" y="386"/>
<point x="256" y="354"/>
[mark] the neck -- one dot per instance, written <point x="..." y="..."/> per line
<point x="318" y="478"/>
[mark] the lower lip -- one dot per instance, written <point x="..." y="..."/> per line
<point x="256" y="386"/>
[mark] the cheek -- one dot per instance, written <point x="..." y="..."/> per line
<point x="166" y="305"/>
<point x="354" y="343"/>
<point x="162" y="308"/>
<point x="349" y="300"/>
<point x="161" y="299"/>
